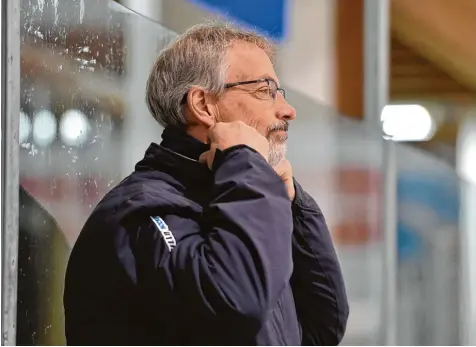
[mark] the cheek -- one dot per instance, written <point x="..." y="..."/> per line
<point x="230" y="110"/>
<point x="252" y="114"/>
<point x="264" y="122"/>
<point x="255" y="116"/>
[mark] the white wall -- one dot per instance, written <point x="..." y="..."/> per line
<point x="306" y="60"/>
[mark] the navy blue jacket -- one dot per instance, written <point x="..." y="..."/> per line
<point x="177" y="254"/>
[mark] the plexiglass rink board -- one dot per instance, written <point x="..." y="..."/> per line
<point x="84" y="124"/>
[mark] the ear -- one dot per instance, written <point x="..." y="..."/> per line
<point x="201" y="107"/>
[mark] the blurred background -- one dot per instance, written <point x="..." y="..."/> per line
<point x="397" y="186"/>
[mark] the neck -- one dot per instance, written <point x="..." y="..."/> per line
<point x="199" y="132"/>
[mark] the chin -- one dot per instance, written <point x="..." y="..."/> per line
<point x="280" y="137"/>
<point x="277" y="152"/>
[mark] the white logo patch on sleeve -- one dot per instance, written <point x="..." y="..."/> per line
<point x="166" y="233"/>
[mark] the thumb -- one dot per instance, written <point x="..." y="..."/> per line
<point x="207" y="158"/>
<point x="280" y="168"/>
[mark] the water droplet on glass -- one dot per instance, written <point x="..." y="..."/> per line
<point x="81" y="11"/>
<point x="41" y="5"/>
<point x="55" y="8"/>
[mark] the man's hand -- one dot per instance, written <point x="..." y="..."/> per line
<point x="225" y="135"/>
<point x="285" y="171"/>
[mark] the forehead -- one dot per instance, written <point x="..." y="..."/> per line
<point x="247" y="61"/>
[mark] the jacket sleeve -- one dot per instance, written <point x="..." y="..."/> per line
<point x="236" y="265"/>
<point x="317" y="282"/>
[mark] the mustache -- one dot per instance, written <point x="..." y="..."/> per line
<point x="282" y="126"/>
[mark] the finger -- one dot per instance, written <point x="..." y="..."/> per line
<point x="204" y="157"/>
<point x="283" y="168"/>
<point x="280" y="168"/>
<point x="211" y="155"/>
<point x="211" y="133"/>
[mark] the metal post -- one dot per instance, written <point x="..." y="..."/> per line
<point x="376" y="62"/>
<point x="376" y="88"/>
<point x="10" y="108"/>
<point x="390" y="269"/>
<point x="466" y="156"/>
<point x="468" y="264"/>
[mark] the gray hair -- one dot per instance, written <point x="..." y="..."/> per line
<point x="196" y="58"/>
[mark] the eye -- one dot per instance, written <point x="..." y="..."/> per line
<point x="263" y="92"/>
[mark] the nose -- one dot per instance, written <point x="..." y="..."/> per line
<point x="285" y="111"/>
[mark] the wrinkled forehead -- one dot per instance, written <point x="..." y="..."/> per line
<point x="247" y="61"/>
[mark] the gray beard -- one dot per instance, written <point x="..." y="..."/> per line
<point x="277" y="145"/>
<point x="277" y="152"/>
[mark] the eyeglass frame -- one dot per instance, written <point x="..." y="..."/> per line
<point x="269" y="81"/>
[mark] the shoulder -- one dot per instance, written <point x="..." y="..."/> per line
<point x="135" y="195"/>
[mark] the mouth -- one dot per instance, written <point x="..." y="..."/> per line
<point x="280" y="131"/>
<point x="279" y="135"/>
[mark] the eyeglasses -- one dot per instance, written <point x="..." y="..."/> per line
<point x="273" y="88"/>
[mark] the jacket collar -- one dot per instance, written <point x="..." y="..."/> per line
<point x="178" y="141"/>
<point x="177" y="156"/>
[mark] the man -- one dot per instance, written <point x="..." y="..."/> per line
<point x="210" y="240"/>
